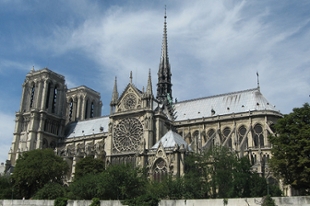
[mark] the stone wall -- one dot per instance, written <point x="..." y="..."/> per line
<point x="280" y="201"/>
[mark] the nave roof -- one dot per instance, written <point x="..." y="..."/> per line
<point x="223" y="104"/>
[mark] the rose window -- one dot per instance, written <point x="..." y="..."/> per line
<point x="128" y="134"/>
<point x="130" y="101"/>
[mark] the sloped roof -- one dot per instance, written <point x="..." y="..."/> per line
<point x="236" y="102"/>
<point x="170" y="139"/>
<point x="87" y="127"/>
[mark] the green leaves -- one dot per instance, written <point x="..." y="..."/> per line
<point x="36" y="168"/>
<point x="117" y="182"/>
<point x="88" y="165"/>
<point x="291" y="148"/>
<point x="220" y="173"/>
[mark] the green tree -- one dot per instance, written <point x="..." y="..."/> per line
<point x="291" y="148"/>
<point x="117" y="182"/>
<point x="221" y="162"/>
<point x="6" y="187"/>
<point x="88" y="165"/>
<point x="120" y="182"/>
<point x="220" y="173"/>
<point x="85" y="187"/>
<point x="50" y="191"/>
<point x="36" y="168"/>
<point x="196" y="178"/>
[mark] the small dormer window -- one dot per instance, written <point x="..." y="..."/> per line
<point x="212" y="112"/>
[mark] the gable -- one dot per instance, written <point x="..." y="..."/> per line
<point x="130" y="99"/>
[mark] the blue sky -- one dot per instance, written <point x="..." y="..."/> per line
<point x="214" y="47"/>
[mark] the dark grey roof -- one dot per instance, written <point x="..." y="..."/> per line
<point x="88" y="127"/>
<point x="236" y="102"/>
<point x="170" y="139"/>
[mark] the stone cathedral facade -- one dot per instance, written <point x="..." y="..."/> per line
<point x="143" y="129"/>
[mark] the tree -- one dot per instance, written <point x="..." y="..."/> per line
<point x="88" y="165"/>
<point x="291" y="149"/>
<point x="120" y="182"/>
<point x="50" y="191"/>
<point x="220" y="173"/>
<point x="6" y="187"/>
<point x="196" y="178"/>
<point x="85" y="187"/>
<point x="117" y="182"/>
<point x="36" y="168"/>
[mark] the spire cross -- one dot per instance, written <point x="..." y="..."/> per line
<point x="130" y="77"/>
<point x="257" y="75"/>
<point x="165" y="13"/>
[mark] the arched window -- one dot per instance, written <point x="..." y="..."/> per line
<point x="92" y="108"/>
<point x="86" y="110"/>
<point x="54" y="100"/>
<point x="32" y="94"/>
<point x="48" y="95"/>
<point x="226" y="133"/>
<point x="211" y="134"/>
<point x="258" y="136"/>
<point x="160" y="170"/>
<point x="241" y="133"/>
<point x="196" y="135"/>
<point x="44" y="143"/>
<point x="53" y="145"/>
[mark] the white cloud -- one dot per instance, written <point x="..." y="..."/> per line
<point x="214" y="47"/>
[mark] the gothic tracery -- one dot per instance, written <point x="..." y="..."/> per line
<point x="128" y="134"/>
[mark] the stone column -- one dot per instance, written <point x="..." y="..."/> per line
<point x="39" y="93"/>
<point x="79" y="105"/>
<point x="83" y="108"/>
<point x="24" y="97"/>
<point x="44" y="92"/>
<point x="59" y="101"/>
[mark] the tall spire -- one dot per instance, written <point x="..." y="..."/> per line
<point x="164" y="86"/>
<point x="149" y="89"/>
<point x="115" y="93"/>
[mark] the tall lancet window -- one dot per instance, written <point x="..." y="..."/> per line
<point x="54" y="100"/>
<point x="258" y="136"/>
<point x="92" y="110"/>
<point x="86" y="109"/>
<point x="48" y="95"/>
<point x="32" y="94"/>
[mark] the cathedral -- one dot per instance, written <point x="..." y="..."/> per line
<point x="144" y="129"/>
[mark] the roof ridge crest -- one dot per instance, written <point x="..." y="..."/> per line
<point x="218" y="95"/>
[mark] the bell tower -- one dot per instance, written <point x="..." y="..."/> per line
<point x="40" y="120"/>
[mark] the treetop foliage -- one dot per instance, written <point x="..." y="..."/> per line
<point x="36" y="168"/>
<point x="217" y="173"/>
<point x="291" y="148"/>
<point x="88" y="165"/>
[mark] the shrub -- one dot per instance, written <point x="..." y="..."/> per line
<point x="268" y="201"/>
<point x="95" y="202"/>
<point x="50" y="191"/>
<point x="61" y="201"/>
